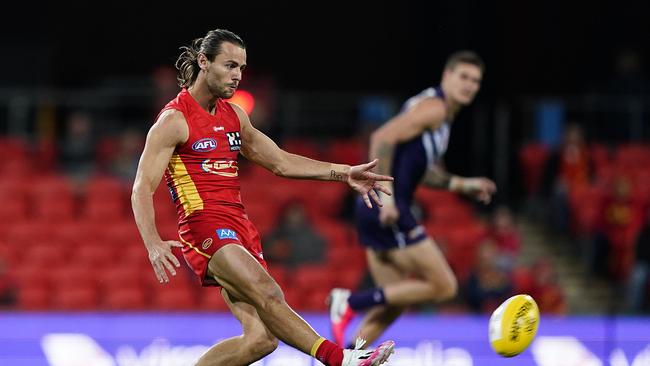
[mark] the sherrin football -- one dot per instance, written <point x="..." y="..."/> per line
<point x="513" y="325"/>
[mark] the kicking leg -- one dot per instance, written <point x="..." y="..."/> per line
<point x="256" y="342"/>
<point x="244" y="278"/>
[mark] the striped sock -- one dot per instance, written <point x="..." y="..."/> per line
<point x="327" y="352"/>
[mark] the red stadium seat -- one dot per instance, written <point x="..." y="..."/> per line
<point x="106" y="199"/>
<point x="336" y="233"/>
<point x="93" y="255"/>
<point x="83" y="275"/>
<point x="315" y="299"/>
<point x="174" y="298"/>
<point x="351" y="151"/>
<point x="309" y="277"/>
<point x="46" y="254"/>
<point x="349" y="277"/>
<point x="53" y="199"/>
<point x="281" y="274"/>
<point x="210" y="299"/>
<point x="34" y="298"/>
<point x="75" y="297"/>
<point x="125" y="298"/>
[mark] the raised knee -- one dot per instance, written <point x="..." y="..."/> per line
<point x="447" y="290"/>
<point x="263" y="345"/>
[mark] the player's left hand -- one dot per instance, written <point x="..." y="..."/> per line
<point x="480" y="188"/>
<point x="362" y="180"/>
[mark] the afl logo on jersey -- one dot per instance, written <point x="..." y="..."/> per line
<point x="204" y="145"/>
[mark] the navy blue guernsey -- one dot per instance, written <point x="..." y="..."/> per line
<point x="411" y="160"/>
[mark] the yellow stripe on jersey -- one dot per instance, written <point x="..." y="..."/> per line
<point x="184" y="185"/>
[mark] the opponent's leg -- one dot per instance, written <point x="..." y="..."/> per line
<point x="434" y="282"/>
<point x="378" y="318"/>
<point x="256" y="342"/>
<point x="243" y="277"/>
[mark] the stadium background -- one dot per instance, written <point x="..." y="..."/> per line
<point x="82" y="84"/>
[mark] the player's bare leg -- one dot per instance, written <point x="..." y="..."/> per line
<point x="256" y="342"/>
<point x="244" y="278"/>
<point x="434" y="282"/>
<point x="378" y="318"/>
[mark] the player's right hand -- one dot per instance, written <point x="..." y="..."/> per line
<point x="161" y="258"/>
<point x="388" y="214"/>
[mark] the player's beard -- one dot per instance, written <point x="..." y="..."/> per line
<point x="220" y="91"/>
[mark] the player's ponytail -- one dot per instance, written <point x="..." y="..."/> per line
<point x="187" y="65"/>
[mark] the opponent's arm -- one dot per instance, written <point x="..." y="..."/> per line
<point x="428" y="113"/>
<point x="480" y="188"/>
<point x="169" y="131"/>
<point x="260" y="149"/>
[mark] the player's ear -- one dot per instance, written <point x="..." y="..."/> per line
<point x="202" y="60"/>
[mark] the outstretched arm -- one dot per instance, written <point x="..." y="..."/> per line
<point x="164" y="135"/>
<point x="480" y="188"/>
<point x="260" y="149"/>
<point x="428" y="113"/>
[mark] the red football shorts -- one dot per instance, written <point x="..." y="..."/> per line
<point x="205" y="233"/>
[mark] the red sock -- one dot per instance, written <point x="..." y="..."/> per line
<point x="328" y="353"/>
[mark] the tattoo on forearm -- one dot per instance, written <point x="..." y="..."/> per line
<point x="335" y="176"/>
<point x="437" y="178"/>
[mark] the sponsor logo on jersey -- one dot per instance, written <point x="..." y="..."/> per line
<point x="234" y="140"/>
<point x="204" y="145"/>
<point x="227" y="234"/>
<point x="206" y="243"/>
<point x="224" y="168"/>
<point x="218" y="128"/>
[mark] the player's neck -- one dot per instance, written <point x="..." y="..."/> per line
<point x="452" y="109"/>
<point x="202" y="95"/>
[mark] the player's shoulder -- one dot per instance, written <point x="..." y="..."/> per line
<point x="239" y="111"/>
<point x="432" y="107"/>
<point x="170" y="122"/>
<point x="171" y="118"/>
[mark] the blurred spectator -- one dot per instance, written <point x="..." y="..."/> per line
<point x="124" y="163"/>
<point x="504" y="232"/>
<point x="545" y="288"/>
<point x="568" y="169"/>
<point x="621" y="219"/>
<point x="77" y="147"/>
<point x="636" y="297"/>
<point x="294" y="241"/>
<point x="489" y="284"/>
<point x="7" y="287"/>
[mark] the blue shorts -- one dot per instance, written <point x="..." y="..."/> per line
<point x="373" y="235"/>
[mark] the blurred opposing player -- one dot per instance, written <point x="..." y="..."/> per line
<point x="195" y="141"/>
<point x="404" y="261"/>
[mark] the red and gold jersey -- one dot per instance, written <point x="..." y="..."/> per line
<point x="202" y="174"/>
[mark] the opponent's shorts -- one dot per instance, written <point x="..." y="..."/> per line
<point x="204" y="234"/>
<point x="372" y="234"/>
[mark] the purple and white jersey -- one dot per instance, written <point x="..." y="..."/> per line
<point x="411" y="160"/>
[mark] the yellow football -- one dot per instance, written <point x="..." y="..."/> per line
<point x="513" y="325"/>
